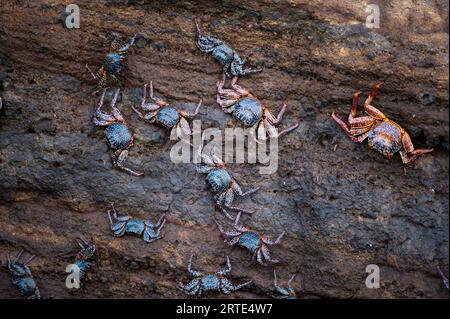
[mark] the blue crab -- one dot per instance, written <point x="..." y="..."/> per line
<point x="113" y="62"/>
<point x="224" y="54"/>
<point x="22" y="277"/>
<point x="121" y="225"/>
<point x="87" y="252"/>
<point x="210" y="282"/>
<point x="284" y="292"/>
<point x="161" y="113"/>
<point x="384" y="136"/>
<point x="117" y="132"/>
<point x="222" y="183"/>
<point x="252" y="241"/>
<point x="249" y="111"/>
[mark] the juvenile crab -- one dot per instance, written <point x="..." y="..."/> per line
<point x="121" y="225"/>
<point x="22" y="277"/>
<point x="87" y="252"/>
<point x="113" y="62"/>
<point x="249" y="111"/>
<point x="161" y="113"/>
<point x="210" y="282"/>
<point x="284" y="292"/>
<point x="222" y="183"/>
<point x="224" y="54"/>
<point x="255" y="243"/>
<point x="117" y="132"/>
<point x="384" y="136"/>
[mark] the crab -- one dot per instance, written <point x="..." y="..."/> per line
<point x="257" y="245"/>
<point x="384" y="136"/>
<point x="249" y="111"/>
<point x="113" y="62"/>
<point x="224" y="54"/>
<point x="444" y="278"/>
<point x="87" y="252"/>
<point x="284" y="292"/>
<point x="22" y="277"/>
<point x="222" y="183"/>
<point x="210" y="282"/>
<point x="117" y="132"/>
<point x="161" y="113"/>
<point x="121" y="225"/>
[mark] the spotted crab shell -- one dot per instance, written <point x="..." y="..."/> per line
<point x="248" y="111"/>
<point x="223" y="53"/>
<point x="118" y="135"/>
<point x="167" y="117"/>
<point x="386" y="138"/>
<point x="219" y="179"/>
<point x="112" y="63"/>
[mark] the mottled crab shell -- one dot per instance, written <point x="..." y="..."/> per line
<point x="27" y="287"/>
<point x="21" y="275"/>
<point x="385" y="138"/>
<point x="250" y="240"/>
<point x="118" y="135"/>
<point x="167" y="117"/>
<point x="248" y="111"/>
<point x="112" y="63"/>
<point x="223" y="53"/>
<point x="135" y="226"/>
<point x="210" y="282"/>
<point x="219" y="179"/>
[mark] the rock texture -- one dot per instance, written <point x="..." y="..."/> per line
<point x="343" y="206"/>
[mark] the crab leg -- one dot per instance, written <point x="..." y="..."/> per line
<point x="275" y="280"/>
<point x="121" y="159"/>
<point x="190" y="115"/>
<point x="226" y="105"/>
<point x="266" y="254"/>
<point x="194" y="273"/>
<point x="205" y="44"/>
<point x="277" y="120"/>
<point x="290" y="282"/>
<point x="149" y="106"/>
<point x="19" y="254"/>
<point x="242" y="285"/>
<point x="277" y="241"/>
<point x="410" y="154"/>
<point x="90" y="71"/>
<point x="102" y="99"/>
<point x="371" y="110"/>
<point x="444" y="278"/>
<point x="30" y="259"/>
<point x="287" y="130"/>
<point x="236" y="209"/>
<point x="115" y="111"/>
<point x="239" y="89"/>
<point x="127" y="46"/>
<point x="236" y="93"/>
<point x="226" y="270"/>
<point x="366" y="124"/>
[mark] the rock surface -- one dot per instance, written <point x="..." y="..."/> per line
<point x="343" y="206"/>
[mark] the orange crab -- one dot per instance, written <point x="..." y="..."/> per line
<point x="384" y="136"/>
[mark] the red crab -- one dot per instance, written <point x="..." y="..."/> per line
<point x="384" y="136"/>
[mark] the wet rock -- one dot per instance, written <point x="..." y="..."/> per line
<point x="343" y="206"/>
